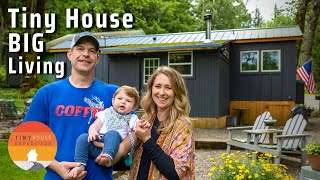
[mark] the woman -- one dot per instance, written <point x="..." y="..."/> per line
<point x="167" y="150"/>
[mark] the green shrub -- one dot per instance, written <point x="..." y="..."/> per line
<point x="30" y="93"/>
<point x="9" y="93"/>
<point x="3" y="79"/>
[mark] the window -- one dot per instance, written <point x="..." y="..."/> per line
<point x="150" y="65"/>
<point x="270" y="60"/>
<point x="249" y="61"/>
<point x="182" y="62"/>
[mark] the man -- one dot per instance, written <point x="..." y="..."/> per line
<point x="69" y="106"/>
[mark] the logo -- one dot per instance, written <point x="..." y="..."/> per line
<point x="32" y="146"/>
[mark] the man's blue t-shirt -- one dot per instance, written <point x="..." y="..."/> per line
<point x="69" y="112"/>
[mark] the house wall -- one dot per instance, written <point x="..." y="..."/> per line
<point x="208" y="87"/>
<point x="262" y="86"/>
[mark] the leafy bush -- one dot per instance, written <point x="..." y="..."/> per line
<point x="236" y="166"/>
<point x="3" y="81"/>
<point x="30" y="93"/>
<point x="313" y="147"/>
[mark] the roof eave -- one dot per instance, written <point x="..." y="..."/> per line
<point x="160" y="48"/>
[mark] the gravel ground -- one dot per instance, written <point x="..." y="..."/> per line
<point x="203" y="164"/>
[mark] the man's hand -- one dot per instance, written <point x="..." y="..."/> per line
<point x="63" y="169"/>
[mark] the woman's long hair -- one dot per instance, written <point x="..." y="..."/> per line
<point x="180" y="108"/>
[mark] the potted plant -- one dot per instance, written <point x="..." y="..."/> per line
<point x="313" y="154"/>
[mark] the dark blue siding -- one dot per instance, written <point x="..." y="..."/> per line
<point x="265" y="86"/>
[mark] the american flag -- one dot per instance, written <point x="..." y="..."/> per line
<point x="305" y="74"/>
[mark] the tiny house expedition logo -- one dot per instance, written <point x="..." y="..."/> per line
<point x="32" y="146"/>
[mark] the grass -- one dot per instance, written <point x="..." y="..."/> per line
<point x="10" y="171"/>
<point x="13" y="94"/>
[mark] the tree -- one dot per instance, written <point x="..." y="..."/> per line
<point x="300" y="20"/>
<point x="227" y="14"/>
<point x="282" y="16"/>
<point x="4" y="23"/>
<point x="257" y="19"/>
<point x="315" y="55"/>
<point x="310" y="32"/>
<point x="28" y="81"/>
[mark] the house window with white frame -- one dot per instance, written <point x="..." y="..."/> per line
<point x="249" y="61"/>
<point x="150" y="65"/>
<point x="182" y="62"/>
<point x="270" y="60"/>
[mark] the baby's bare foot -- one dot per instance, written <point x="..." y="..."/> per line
<point x="76" y="170"/>
<point x="105" y="160"/>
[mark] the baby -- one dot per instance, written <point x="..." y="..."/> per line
<point x="111" y="127"/>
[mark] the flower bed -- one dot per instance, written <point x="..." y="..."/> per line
<point x="237" y="166"/>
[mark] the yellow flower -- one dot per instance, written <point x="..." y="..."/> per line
<point x="211" y="159"/>
<point x="256" y="175"/>
<point x="209" y="174"/>
<point x="213" y="169"/>
<point x="278" y="176"/>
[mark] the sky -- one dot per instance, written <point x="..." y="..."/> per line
<point x="265" y="7"/>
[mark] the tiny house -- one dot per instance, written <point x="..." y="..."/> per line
<point x="251" y="69"/>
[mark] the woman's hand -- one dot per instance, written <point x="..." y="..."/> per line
<point x="143" y="130"/>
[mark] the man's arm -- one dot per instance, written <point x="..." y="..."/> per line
<point x="63" y="169"/>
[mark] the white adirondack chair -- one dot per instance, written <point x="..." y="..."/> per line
<point x="292" y="139"/>
<point x="258" y="124"/>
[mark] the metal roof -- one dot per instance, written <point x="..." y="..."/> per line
<point x="159" y="48"/>
<point x="171" y="39"/>
<point x="65" y="41"/>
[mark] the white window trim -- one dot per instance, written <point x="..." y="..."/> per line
<point x="191" y="63"/>
<point x="258" y="60"/>
<point x="278" y="70"/>
<point x="144" y="67"/>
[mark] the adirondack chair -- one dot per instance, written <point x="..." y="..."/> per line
<point x="8" y="110"/>
<point x="258" y="124"/>
<point x="291" y="141"/>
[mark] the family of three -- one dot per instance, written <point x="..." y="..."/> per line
<point x="95" y="124"/>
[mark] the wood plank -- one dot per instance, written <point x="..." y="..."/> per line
<point x="280" y="110"/>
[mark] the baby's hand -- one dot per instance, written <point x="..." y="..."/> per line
<point x="143" y="123"/>
<point x="93" y="136"/>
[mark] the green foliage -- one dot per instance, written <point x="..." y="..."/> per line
<point x="30" y="93"/>
<point x="9" y="93"/>
<point x="226" y="14"/>
<point x="313" y="147"/>
<point x="315" y="55"/>
<point x="257" y="18"/>
<point x="3" y="79"/>
<point x="10" y="171"/>
<point x="237" y="166"/>
<point x="282" y="16"/>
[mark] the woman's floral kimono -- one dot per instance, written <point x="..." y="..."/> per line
<point x="179" y="145"/>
